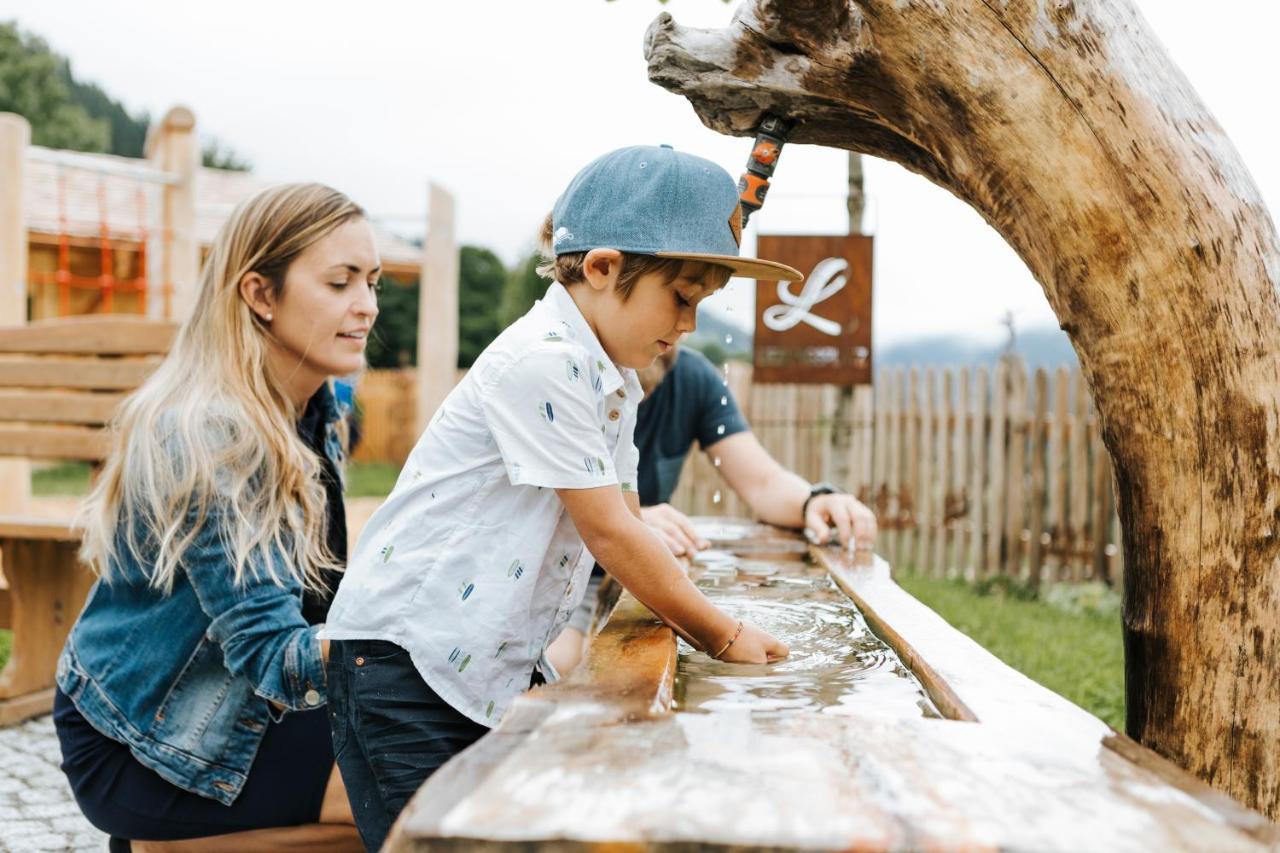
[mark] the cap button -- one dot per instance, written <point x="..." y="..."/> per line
<point x="665" y="145"/>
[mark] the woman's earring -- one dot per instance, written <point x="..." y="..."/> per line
<point x="268" y="317"/>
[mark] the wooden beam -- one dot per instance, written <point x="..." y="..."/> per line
<point x="62" y="407"/>
<point x="15" y="138"/>
<point x="91" y="374"/>
<point x="88" y="444"/>
<point x="96" y="335"/>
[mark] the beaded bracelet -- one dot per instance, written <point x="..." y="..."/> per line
<point x="735" y="636"/>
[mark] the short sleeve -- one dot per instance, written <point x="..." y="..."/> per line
<point x="544" y="416"/>
<point x="629" y="458"/>
<point x="718" y="415"/>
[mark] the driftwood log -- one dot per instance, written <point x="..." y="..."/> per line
<point x="1067" y="127"/>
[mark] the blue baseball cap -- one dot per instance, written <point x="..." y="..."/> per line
<point x="654" y="200"/>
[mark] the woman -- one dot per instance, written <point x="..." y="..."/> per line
<point x="190" y="690"/>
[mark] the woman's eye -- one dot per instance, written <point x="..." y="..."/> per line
<point x="338" y="285"/>
<point x="375" y="286"/>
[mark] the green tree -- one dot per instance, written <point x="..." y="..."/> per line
<point x="33" y="84"/>
<point x="394" y="340"/>
<point x="481" y="280"/>
<point x="127" y="132"/>
<point x="216" y="155"/>
<point x="523" y="288"/>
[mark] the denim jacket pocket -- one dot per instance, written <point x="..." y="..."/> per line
<point x="202" y="708"/>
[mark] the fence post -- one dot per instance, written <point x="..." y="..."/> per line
<point x="996" y="459"/>
<point x="437" y="307"/>
<point x="173" y="146"/>
<point x="15" y="137"/>
<point x="1040" y="404"/>
<point x="942" y="416"/>
<point x="978" y="475"/>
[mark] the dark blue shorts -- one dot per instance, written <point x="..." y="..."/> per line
<point x="391" y="731"/>
<point x="126" y="799"/>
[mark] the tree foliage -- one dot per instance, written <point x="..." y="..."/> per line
<point x="35" y="84"/>
<point x="523" y="288"/>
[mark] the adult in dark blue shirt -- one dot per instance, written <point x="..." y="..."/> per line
<point x="687" y="401"/>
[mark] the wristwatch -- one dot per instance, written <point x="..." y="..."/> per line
<point x="815" y="490"/>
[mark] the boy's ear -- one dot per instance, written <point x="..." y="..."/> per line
<point x="601" y="268"/>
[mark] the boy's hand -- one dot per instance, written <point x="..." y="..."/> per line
<point x="674" y="528"/>
<point x="754" y="646"/>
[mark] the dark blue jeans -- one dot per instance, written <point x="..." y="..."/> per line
<point x="390" y="730"/>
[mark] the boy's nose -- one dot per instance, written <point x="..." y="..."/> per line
<point x="688" y="322"/>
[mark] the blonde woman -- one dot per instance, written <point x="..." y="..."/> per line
<point x="192" y="686"/>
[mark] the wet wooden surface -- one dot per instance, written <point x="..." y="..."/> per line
<point x="600" y="761"/>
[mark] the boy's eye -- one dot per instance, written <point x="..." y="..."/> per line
<point x="682" y="301"/>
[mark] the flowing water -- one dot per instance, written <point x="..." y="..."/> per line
<point x="836" y="666"/>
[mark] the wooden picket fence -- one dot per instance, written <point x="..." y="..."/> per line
<point x="973" y="471"/>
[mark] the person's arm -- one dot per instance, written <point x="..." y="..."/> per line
<point x="611" y="528"/>
<point x="778" y="496"/>
<point x="258" y="623"/>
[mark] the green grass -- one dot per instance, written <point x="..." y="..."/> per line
<point x="371" y="479"/>
<point x="1070" y="643"/>
<point x="6" y="643"/>
<point x="68" y="478"/>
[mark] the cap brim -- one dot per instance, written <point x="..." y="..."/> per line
<point x="745" y="267"/>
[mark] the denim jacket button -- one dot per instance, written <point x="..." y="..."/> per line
<point x="311" y="697"/>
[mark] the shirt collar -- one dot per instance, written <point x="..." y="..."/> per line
<point x="560" y="302"/>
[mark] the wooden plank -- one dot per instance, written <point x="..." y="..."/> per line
<point x="865" y="442"/>
<point x="958" y="558"/>
<point x="95" y="335"/>
<point x="1056" y="514"/>
<point x="977" y="477"/>
<point x="927" y="485"/>
<point x="912" y="496"/>
<point x="1039" y="424"/>
<point x="65" y="407"/>
<point x="893" y="463"/>
<point x="1078" y="518"/>
<point x="68" y="442"/>
<point x="38" y="529"/>
<point x="996" y="456"/>
<point x="80" y="373"/>
<point x="942" y="418"/>
<point x="1099" y="525"/>
<point x="1016" y="472"/>
<point x="47" y="586"/>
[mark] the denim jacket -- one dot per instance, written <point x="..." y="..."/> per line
<point x="184" y="678"/>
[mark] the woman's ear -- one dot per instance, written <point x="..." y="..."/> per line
<point x="601" y="268"/>
<point x="259" y="295"/>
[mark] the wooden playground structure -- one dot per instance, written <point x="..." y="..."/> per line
<point x="99" y="260"/>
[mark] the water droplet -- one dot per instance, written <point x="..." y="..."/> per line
<point x="728" y="339"/>
<point x="720" y="430"/>
<point x="717" y="461"/>
<point x="724" y="401"/>
<point x="715" y="499"/>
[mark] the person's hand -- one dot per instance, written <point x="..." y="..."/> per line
<point x="753" y="646"/>
<point x="854" y="522"/>
<point x="674" y="528"/>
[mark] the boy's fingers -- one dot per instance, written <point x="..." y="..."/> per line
<point x="676" y="540"/>
<point x="844" y="526"/>
<point x="814" y="520"/>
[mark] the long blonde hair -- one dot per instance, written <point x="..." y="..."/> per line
<point x="209" y="433"/>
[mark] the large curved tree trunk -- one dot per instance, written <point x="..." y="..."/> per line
<point x="1067" y="127"/>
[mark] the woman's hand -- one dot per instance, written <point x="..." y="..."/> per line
<point x="754" y="646"/>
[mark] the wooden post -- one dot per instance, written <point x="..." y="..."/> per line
<point x="1040" y="405"/>
<point x="961" y="505"/>
<point x="1058" y="539"/>
<point x="942" y="416"/>
<point x="15" y="137"/>
<point x="913" y="497"/>
<point x="1015" y="509"/>
<point x="172" y="145"/>
<point x="437" y="307"/>
<point x="996" y="456"/>
<point x="893" y="464"/>
<point x="1079" y="520"/>
<point x="977" y="480"/>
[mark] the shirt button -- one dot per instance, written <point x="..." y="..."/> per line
<point x="614" y="415"/>
<point x="622" y="393"/>
<point x="359" y="661"/>
<point x="311" y="697"/>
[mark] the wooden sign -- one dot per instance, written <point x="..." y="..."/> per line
<point x="817" y="331"/>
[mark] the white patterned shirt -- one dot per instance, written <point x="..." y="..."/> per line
<point x="472" y="564"/>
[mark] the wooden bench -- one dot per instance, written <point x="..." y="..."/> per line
<point x="60" y="382"/>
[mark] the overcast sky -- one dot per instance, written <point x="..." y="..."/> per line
<point x="501" y="101"/>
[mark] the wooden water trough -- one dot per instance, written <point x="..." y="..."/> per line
<point x="611" y="759"/>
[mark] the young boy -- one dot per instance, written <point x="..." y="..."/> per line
<point x="484" y="547"/>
